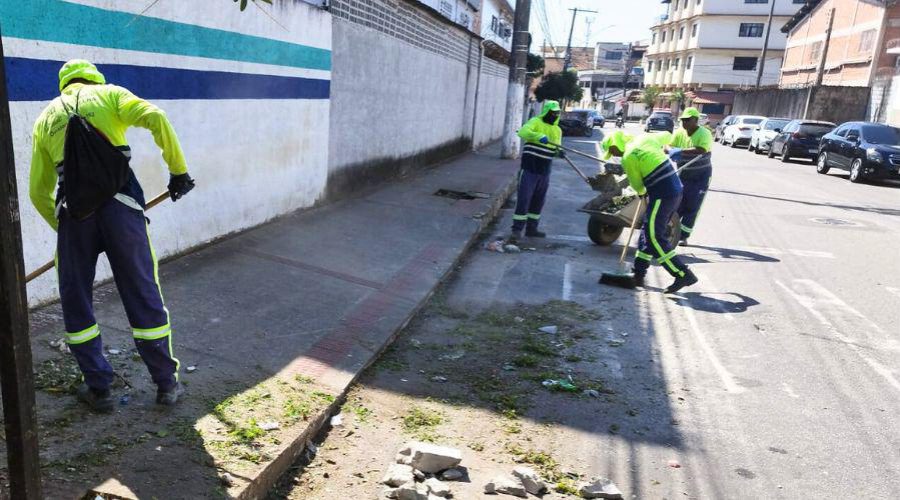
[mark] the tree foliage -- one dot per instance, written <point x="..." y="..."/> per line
<point x="679" y="97"/>
<point x="559" y="87"/>
<point x="649" y="96"/>
<point x="535" y="64"/>
<point x="245" y="2"/>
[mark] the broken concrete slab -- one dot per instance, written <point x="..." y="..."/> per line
<point x="412" y="491"/>
<point x="600" y="488"/>
<point x="429" y="458"/>
<point x="397" y="475"/>
<point x="531" y="480"/>
<point x="507" y="485"/>
<point x="437" y="488"/>
<point x="452" y="475"/>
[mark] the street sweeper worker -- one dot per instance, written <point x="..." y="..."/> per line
<point x="690" y="141"/>
<point x="651" y="174"/>
<point x="80" y="151"/>
<point x="540" y="134"/>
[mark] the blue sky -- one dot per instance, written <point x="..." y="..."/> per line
<point x="631" y="20"/>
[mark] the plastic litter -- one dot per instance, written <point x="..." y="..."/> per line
<point x="591" y="393"/>
<point x="495" y="246"/>
<point x="191" y="369"/>
<point x="438" y="378"/>
<point x="551" y="329"/>
<point x="560" y="385"/>
<point x="452" y="356"/>
<point x="269" y="426"/>
<point x="125" y="399"/>
<point x="113" y="351"/>
<point x="511" y="248"/>
<point x="337" y="420"/>
<point x="674" y="464"/>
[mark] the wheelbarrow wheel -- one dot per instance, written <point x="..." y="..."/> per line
<point x="602" y="234"/>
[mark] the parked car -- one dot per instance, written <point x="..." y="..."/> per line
<point x="577" y="122"/>
<point x="599" y="120"/>
<point x="867" y="150"/>
<point x="704" y="119"/>
<point x="740" y="130"/>
<point x="660" y="120"/>
<point x="761" y="139"/>
<point x="799" y="139"/>
<point x="728" y="120"/>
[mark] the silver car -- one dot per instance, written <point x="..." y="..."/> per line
<point x="761" y="138"/>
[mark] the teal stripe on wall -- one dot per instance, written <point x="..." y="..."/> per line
<point x="58" y="21"/>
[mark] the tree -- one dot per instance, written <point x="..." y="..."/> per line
<point x="535" y="65"/>
<point x="559" y="87"/>
<point x="679" y="97"/>
<point x="244" y="2"/>
<point x="649" y="96"/>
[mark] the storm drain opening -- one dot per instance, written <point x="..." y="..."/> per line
<point x="460" y="195"/>
<point x="831" y="221"/>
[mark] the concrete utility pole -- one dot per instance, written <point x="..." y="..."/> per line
<point x="568" y="60"/>
<point x="16" y="375"/>
<point x="765" y="48"/>
<point x="629" y="63"/>
<point x="820" y="70"/>
<point x="515" y="92"/>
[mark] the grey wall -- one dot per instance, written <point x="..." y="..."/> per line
<point x="403" y="92"/>
<point x="834" y="104"/>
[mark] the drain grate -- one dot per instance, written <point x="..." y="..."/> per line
<point x="830" y="221"/>
<point x="460" y="195"/>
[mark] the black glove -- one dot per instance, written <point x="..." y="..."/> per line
<point x="560" y="153"/>
<point x="180" y="185"/>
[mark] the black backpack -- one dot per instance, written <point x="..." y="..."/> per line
<point x="93" y="169"/>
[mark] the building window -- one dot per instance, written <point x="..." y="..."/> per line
<point x="662" y="35"/>
<point x="613" y="55"/>
<point x="495" y="24"/>
<point x="756" y="1"/>
<point x="667" y="64"/>
<point x="744" y="64"/>
<point x="649" y="66"/>
<point x="694" y="30"/>
<point x="866" y="40"/>
<point x="653" y="38"/>
<point x="675" y="7"/>
<point x="815" y="52"/>
<point x="681" y="32"/>
<point x="675" y="64"/>
<point x="689" y="62"/>
<point x="752" y="30"/>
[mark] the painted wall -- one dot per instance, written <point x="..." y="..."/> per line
<point x="249" y="100"/>
<point x="724" y="31"/>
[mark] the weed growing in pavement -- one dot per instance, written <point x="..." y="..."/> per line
<point x="295" y="410"/>
<point x="546" y="464"/>
<point x="566" y="487"/>
<point x="476" y="446"/>
<point x="58" y="376"/>
<point x="525" y="361"/>
<point x="361" y="412"/>
<point x="539" y="348"/>
<point x="421" y="423"/>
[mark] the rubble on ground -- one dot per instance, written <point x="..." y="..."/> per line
<point x="419" y="465"/>
<point x="530" y="480"/>
<point x="429" y="458"/>
<point x="600" y="488"/>
<point x="508" y="485"/>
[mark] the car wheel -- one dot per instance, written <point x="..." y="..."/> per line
<point x="822" y="164"/>
<point x="856" y="175"/>
<point x="771" y="153"/>
<point x="785" y="154"/>
<point x="734" y="143"/>
<point x="715" y="137"/>
<point x="750" y="147"/>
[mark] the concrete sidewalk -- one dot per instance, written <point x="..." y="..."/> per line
<point x="274" y="324"/>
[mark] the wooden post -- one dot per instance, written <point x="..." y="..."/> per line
<point x="16" y="374"/>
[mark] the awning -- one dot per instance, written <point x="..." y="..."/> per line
<point x="701" y="97"/>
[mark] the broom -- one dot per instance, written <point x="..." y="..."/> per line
<point x="622" y="278"/>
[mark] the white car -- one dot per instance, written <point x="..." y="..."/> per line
<point x="761" y="139"/>
<point x="740" y="129"/>
<point x="704" y="119"/>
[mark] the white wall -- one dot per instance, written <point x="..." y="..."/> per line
<point x="715" y="67"/>
<point x="723" y="31"/>
<point x="782" y="7"/>
<point x="253" y="157"/>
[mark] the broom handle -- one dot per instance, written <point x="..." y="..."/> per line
<point x="631" y="232"/>
<point x="49" y="265"/>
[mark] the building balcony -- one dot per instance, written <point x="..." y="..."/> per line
<point x="892" y="46"/>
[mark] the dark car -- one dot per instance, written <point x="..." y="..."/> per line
<point x="799" y="139"/>
<point x="599" y="120"/>
<point x="660" y="120"/>
<point x="867" y="150"/>
<point x="577" y="122"/>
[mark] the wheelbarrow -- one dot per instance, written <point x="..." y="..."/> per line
<point x="608" y="219"/>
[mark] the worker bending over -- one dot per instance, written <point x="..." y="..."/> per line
<point x="651" y="173"/>
<point x="88" y="223"/>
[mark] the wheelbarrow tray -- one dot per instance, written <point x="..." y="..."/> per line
<point x="622" y="217"/>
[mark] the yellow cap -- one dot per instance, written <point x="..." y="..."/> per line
<point x="617" y="139"/>
<point x="79" y="68"/>
<point x="690" y="112"/>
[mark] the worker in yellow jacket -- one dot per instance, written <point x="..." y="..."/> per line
<point x="114" y="225"/>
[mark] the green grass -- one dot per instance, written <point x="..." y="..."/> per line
<point x="539" y="348"/>
<point x="525" y="361"/>
<point x="294" y="410"/>
<point x="422" y="423"/>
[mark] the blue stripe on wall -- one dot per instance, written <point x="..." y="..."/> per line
<point x="59" y="21"/>
<point x="37" y="80"/>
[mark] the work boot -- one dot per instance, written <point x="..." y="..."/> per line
<point x="534" y="233"/>
<point x="99" y="401"/>
<point x="682" y="281"/>
<point x="169" y="397"/>
<point x="683" y="242"/>
<point x="639" y="280"/>
<point x="514" y="237"/>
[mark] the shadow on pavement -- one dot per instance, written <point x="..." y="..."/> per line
<point x="875" y="210"/>
<point x="701" y="301"/>
<point x="726" y="253"/>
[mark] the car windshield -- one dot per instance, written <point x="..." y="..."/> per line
<point x="773" y="124"/>
<point x="751" y="121"/>
<point x="815" y="129"/>
<point x="881" y="135"/>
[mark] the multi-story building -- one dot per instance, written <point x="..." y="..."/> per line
<point x="864" y="43"/>
<point x="462" y="12"/>
<point x="615" y="66"/>
<point x="495" y="22"/>
<point x="711" y="46"/>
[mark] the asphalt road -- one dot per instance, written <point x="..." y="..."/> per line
<point x="777" y="376"/>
